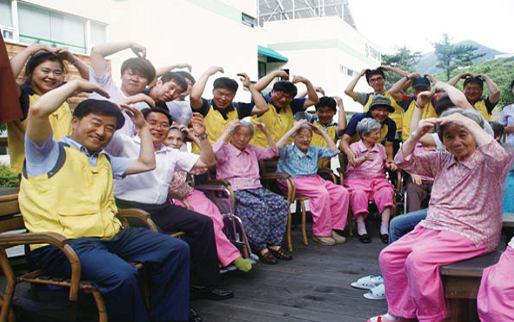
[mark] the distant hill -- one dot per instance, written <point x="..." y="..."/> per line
<point x="427" y="63"/>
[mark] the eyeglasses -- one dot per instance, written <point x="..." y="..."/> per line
<point x="377" y="79"/>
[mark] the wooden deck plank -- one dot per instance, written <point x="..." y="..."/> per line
<point x="313" y="287"/>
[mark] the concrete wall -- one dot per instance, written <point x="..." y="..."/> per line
<point x="317" y="48"/>
<point x="210" y="32"/>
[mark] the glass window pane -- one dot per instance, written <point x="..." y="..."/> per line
<point x="5" y="13"/>
<point x="98" y="34"/>
<point x="68" y="31"/>
<point x="34" y="23"/>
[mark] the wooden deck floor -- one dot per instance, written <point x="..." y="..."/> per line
<point x="315" y="286"/>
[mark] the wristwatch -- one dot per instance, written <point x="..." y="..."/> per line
<point x="203" y="136"/>
<point x="408" y="78"/>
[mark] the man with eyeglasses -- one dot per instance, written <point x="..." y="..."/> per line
<point x="282" y="105"/>
<point x="376" y="79"/>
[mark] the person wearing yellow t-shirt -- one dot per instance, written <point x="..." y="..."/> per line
<point x="222" y="109"/>
<point x="67" y="189"/>
<point x="326" y="109"/>
<point x="474" y="88"/>
<point x="45" y="70"/>
<point x="282" y="105"/>
<point x="419" y="84"/>
<point x="376" y="79"/>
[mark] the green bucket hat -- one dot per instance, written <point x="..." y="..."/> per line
<point x="381" y="100"/>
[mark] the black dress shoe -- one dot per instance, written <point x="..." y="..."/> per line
<point x="210" y="293"/>
<point x="385" y="238"/>
<point x="364" y="238"/>
<point x="194" y="316"/>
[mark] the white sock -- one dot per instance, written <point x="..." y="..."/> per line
<point x="384" y="228"/>
<point x="361" y="228"/>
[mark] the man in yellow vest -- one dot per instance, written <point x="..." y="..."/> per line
<point x="67" y="189"/>
<point x="282" y="105"/>
<point x="376" y="79"/>
<point x="222" y="109"/>
<point x="419" y="84"/>
<point x="474" y="88"/>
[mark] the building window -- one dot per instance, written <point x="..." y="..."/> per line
<point x="53" y="28"/>
<point x="5" y="13"/>
<point x="248" y="20"/>
<point x="262" y="69"/>
<point x="373" y="53"/>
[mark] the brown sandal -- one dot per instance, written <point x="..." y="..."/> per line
<point x="267" y="258"/>
<point x="281" y="254"/>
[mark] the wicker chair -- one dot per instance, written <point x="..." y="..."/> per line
<point x="11" y="220"/>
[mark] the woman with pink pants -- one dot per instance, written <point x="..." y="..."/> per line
<point x="328" y="202"/>
<point x="495" y="300"/>
<point x="180" y="190"/>
<point x="464" y="214"/>
<point x="366" y="180"/>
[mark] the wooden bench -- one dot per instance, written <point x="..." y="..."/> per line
<point x="461" y="282"/>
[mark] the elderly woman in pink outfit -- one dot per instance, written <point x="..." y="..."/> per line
<point x="179" y="189"/>
<point x="464" y="214"/>
<point x="495" y="300"/>
<point x="366" y="180"/>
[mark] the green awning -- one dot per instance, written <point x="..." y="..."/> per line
<point x="272" y="55"/>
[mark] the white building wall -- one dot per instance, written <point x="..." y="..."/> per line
<point x="317" y="48"/>
<point x="200" y="32"/>
<point x="210" y="32"/>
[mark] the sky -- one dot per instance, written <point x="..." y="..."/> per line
<point x="416" y="24"/>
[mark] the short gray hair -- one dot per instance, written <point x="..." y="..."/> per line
<point x="367" y="125"/>
<point x="246" y="124"/>
<point x="472" y="114"/>
<point x="303" y="127"/>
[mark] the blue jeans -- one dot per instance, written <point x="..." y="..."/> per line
<point x="403" y="224"/>
<point x="104" y="264"/>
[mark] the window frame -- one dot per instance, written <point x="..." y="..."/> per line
<point x="15" y="29"/>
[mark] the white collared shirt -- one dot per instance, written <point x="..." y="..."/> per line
<point x="148" y="187"/>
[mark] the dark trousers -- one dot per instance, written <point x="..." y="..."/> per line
<point x="199" y="236"/>
<point x="104" y="264"/>
<point x="417" y="195"/>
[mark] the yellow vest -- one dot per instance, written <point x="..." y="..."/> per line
<point x="320" y="141"/>
<point x="60" y="121"/>
<point x="277" y="123"/>
<point x="215" y="125"/>
<point x="428" y="112"/>
<point x="75" y="201"/>
<point x="397" y="116"/>
<point x="482" y="109"/>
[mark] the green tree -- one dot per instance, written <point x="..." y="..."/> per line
<point x="404" y="59"/>
<point x="451" y="56"/>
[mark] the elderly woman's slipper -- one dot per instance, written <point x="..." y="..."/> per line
<point x="368" y="282"/>
<point x="376" y="293"/>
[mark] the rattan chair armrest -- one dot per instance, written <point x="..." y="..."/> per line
<point x="275" y="176"/>
<point x="138" y="214"/>
<point x="211" y="187"/>
<point x="53" y="239"/>
<point x="218" y="182"/>
<point x="33" y="238"/>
